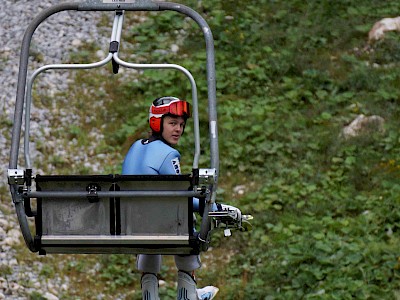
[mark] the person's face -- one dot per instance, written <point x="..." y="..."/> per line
<point x="173" y="129"/>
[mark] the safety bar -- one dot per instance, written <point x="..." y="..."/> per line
<point x="168" y="245"/>
<point x="116" y="239"/>
<point x="115" y="37"/>
<point x="112" y="5"/>
<point x="195" y="114"/>
<point x="110" y="194"/>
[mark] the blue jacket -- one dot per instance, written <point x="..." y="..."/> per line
<point x="151" y="158"/>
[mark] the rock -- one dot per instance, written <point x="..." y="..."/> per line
<point x="13" y="262"/>
<point x="174" y="48"/>
<point x="50" y="296"/>
<point x="239" y="189"/>
<point x="363" y="124"/>
<point x="100" y="54"/>
<point x="76" y="43"/>
<point x="4" y="223"/>
<point x="379" y="29"/>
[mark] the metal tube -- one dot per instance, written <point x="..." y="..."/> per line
<point x="211" y="84"/>
<point x="22" y="74"/>
<point x="23" y="222"/>
<point x="196" y="129"/>
<point x="115" y="27"/>
<point x="108" y="194"/>
<point x="116" y="32"/>
<point x="110" y="5"/>
<point x="211" y="80"/>
<point x="29" y="96"/>
<point x="113" y="240"/>
<point x="212" y="106"/>
<point x="19" y="106"/>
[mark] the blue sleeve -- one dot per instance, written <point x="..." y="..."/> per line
<point x="196" y="205"/>
<point x="171" y="165"/>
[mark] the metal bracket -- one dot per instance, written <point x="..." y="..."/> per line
<point x="92" y="190"/>
<point x="16" y="176"/>
<point x="207" y="176"/>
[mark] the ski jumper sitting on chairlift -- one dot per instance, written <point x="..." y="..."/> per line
<point x="156" y="156"/>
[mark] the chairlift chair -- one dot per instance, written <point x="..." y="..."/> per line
<point x="115" y="213"/>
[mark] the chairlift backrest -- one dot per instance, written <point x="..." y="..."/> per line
<point x="115" y="213"/>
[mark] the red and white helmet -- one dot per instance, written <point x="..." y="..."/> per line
<point x="167" y="106"/>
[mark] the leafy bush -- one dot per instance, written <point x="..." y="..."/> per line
<point x="290" y="75"/>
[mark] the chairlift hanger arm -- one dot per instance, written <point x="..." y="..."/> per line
<point x="109" y="5"/>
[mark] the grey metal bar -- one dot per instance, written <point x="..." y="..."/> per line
<point x="115" y="34"/>
<point x="113" y="239"/>
<point x="23" y="222"/>
<point x="18" y="113"/>
<point x="109" y="5"/>
<point x="196" y="126"/>
<point x="28" y="103"/>
<point x="121" y="249"/>
<point x="107" y="194"/>
<point x="212" y="103"/>
<point x="22" y="74"/>
<point x="211" y="78"/>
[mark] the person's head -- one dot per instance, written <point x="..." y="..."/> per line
<point x="167" y="118"/>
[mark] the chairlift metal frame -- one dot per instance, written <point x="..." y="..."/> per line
<point x="105" y="189"/>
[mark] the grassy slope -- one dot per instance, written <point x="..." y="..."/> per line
<point x="326" y="224"/>
<point x="290" y="76"/>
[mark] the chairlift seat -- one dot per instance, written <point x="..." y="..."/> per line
<point x="97" y="214"/>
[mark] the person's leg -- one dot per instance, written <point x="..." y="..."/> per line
<point x="187" y="263"/>
<point x="187" y="290"/>
<point x="149" y="284"/>
<point x="150" y="266"/>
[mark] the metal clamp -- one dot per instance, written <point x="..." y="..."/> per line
<point x="16" y="176"/>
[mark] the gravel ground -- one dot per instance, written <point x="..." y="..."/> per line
<point x="54" y="39"/>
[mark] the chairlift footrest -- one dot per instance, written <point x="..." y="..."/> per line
<point x="231" y="220"/>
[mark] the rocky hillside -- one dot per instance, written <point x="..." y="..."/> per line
<point x="52" y="42"/>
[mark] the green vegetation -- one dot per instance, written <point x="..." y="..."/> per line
<point x="290" y="75"/>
